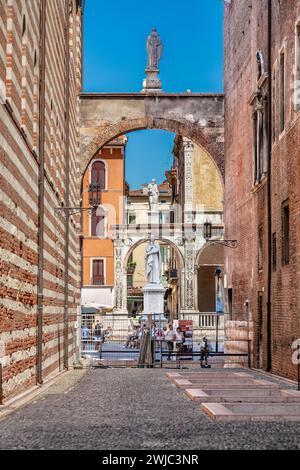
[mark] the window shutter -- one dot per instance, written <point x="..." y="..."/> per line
<point x="102" y="175"/>
<point x="98" y="272"/>
<point x="98" y="174"/>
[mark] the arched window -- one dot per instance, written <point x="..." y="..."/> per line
<point x="98" y="174"/>
<point x="98" y="221"/>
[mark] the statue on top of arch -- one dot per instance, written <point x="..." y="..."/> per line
<point x="154" y="50"/>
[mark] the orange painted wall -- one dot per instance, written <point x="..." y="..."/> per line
<point x="112" y="201"/>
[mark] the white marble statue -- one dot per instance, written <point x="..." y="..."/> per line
<point x="153" y="263"/>
<point x="153" y="194"/>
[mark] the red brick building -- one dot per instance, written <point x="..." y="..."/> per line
<point x="40" y="80"/>
<point x="262" y="195"/>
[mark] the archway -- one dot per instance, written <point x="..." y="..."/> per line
<point x="198" y="117"/>
<point x="136" y="278"/>
<point x="209" y="257"/>
<point x="124" y="252"/>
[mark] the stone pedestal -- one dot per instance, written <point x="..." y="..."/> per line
<point x="153" y="298"/>
<point x="151" y="83"/>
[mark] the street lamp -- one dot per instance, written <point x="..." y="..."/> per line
<point x="94" y="195"/>
<point x="94" y="201"/>
<point x="207" y="234"/>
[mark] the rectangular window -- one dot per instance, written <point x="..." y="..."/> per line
<point x="98" y="272"/>
<point x="260" y="247"/>
<point x="285" y="215"/>
<point x="129" y="280"/>
<point x="229" y="294"/>
<point x="255" y="149"/>
<point x="297" y="69"/>
<point x="164" y="252"/>
<point x="274" y="104"/>
<point x="131" y="218"/>
<point x="274" y="252"/>
<point x="164" y="217"/>
<point x="282" y="92"/>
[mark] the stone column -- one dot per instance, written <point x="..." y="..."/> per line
<point x="120" y="287"/>
<point x="190" y="276"/>
<point x="188" y="149"/>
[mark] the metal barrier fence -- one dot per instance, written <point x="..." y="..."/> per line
<point x="137" y="342"/>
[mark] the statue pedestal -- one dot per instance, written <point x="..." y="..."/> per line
<point x="151" y="83"/>
<point x="153" y="298"/>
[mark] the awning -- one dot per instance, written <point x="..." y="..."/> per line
<point x="94" y="307"/>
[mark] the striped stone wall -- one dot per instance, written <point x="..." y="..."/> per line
<point x="20" y="147"/>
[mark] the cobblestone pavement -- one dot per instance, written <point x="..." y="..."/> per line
<point x="130" y="409"/>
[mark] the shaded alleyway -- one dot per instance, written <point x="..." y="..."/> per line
<point x="130" y="409"/>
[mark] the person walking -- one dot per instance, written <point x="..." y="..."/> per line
<point x="179" y="339"/>
<point x="204" y="350"/>
<point x="170" y="337"/>
<point x="85" y="336"/>
<point x="98" y="337"/>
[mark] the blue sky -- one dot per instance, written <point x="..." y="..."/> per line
<point x="115" y="34"/>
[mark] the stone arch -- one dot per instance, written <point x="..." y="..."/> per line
<point x="193" y="131"/>
<point x="210" y="252"/>
<point x="164" y="240"/>
<point x="179" y="254"/>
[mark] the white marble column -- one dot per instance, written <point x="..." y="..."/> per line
<point x="120" y="285"/>
<point x="188" y="149"/>
<point x="190" y="275"/>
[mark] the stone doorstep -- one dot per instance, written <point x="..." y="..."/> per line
<point x="223" y="383"/>
<point x="246" y="411"/>
<point x="23" y="398"/>
<point x="260" y="395"/>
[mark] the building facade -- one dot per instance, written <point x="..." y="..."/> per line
<point x="197" y="198"/>
<point x="262" y="128"/>
<point x="106" y="170"/>
<point x="40" y="81"/>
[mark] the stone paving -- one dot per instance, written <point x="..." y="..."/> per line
<point x="132" y="409"/>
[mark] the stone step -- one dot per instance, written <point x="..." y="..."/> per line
<point x="223" y="383"/>
<point x="221" y="379"/>
<point x="259" y="395"/>
<point x="252" y="411"/>
<point x="208" y="377"/>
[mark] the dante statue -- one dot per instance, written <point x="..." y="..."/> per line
<point x="153" y="262"/>
<point x="154" y="49"/>
<point x="153" y="194"/>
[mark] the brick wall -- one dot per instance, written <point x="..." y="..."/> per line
<point x="245" y="32"/>
<point x="19" y="201"/>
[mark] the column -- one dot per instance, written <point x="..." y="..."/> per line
<point x="120" y="286"/>
<point x="190" y="276"/>
<point x="188" y="149"/>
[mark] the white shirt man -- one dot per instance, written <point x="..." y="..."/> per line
<point x="170" y="337"/>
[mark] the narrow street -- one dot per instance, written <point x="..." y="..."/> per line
<point x="131" y="409"/>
